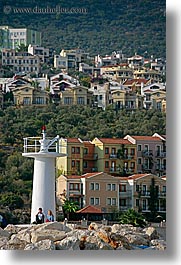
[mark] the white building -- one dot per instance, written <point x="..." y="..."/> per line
<point x="22" y="62"/>
<point x="42" y="52"/>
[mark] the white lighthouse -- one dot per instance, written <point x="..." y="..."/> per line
<point x="44" y="151"/>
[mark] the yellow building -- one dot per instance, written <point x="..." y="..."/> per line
<point x="115" y="156"/>
<point x="71" y="164"/>
<point x="159" y="100"/>
<point x="78" y="95"/>
<point x="127" y="99"/>
<point x="28" y="95"/>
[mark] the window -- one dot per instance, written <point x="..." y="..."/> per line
<point x="97" y="201"/>
<point x="144" y="204"/>
<point x="68" y="101"/>
<point x="94" y="186"/>
<point x="73" y="163"/>
<point x="26" y="101"/>
<point x="74" y="186"/>
<point x="80" y="101"/>
<point x="122" y="188"/>
<point x="132" y="151"/>
<point x="39" y="100"/>
<point x="91" y="186"/>
<point x="108" y="201"/>
<point x="111" y="201"/>
<point x="139" y="147"/>
<point x="132" y="165"/>
<point x="106" y="150"/>
<point x="164" y="188"/>
<point x="77" y="150"/>
<point x="137" y="187"/>
<point x="122" y="202"/>
<point x="113" y="187"/>
<point x="139" y="161"/>
<point x="108" y="186"/>
<point x="73" y="150"/>
<point x="137" y="202"/>
<point x="106" y="164"/>
<point x="85" y="164"/>
<point x="113" y="151"/>
<point x="85" y="151"/>
<point x="94" y="201"/>
<point x="91" y="201"/>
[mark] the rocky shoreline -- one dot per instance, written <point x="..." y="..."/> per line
<point x="61" y="236"/>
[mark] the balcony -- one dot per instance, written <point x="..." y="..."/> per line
<point x="160" y="154"/>
<point x="90" y="156"/>
<point x="161" y="167"/>
<point x="147" y="153"/>
<point x="113" y="156"/>
<point x="125" y="194"/>
<point x="115" y="170"/>
<point x="162" y="194"/>
<point x="145" y="193"/>
<point x="128" y="157"/>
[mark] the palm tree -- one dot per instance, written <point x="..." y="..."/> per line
<point x="69" y="207"/>
<point x="132" y="217"/>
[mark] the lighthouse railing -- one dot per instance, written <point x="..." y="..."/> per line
<point x="32" y="144"/>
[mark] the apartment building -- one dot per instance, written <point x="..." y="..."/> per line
<point x="120" y="73"/>
<point x="42" y="52"/>
<point x="77" y="95"/>
<point x="11" y="38"/>
<point x="151" y="153"/>
<point x="21" y="61"/>
<point x="141" y="186"/>
<point x="27" y="95"/>
<point x="81" y="157"/>
<point x="101" y="94"/>
<point x="113" y="194"/>
<point x="129" y="100"/>
<point x="115" y="156"/>
<point x="68" y="59"/>
<point x="96" y="189"/>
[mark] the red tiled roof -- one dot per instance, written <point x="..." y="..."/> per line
<point x="87" y="175"/>
<point x="114" y="141"/>
<point x="137" y="81"/>
<point x="136" y="176"/>
<point x="89" y="209"/>
<point x="146" y="138"/>
<point x="73" y="177"/>
<point x="73" y="140"/>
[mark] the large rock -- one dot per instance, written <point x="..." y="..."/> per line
<point x="159" y="244"/>
<point x="151" y="232"/>
<point x="137" y="239"/>
<point x="41" y="245"/>
<point x="4" y="233"/>
<point x="53" y="235"/>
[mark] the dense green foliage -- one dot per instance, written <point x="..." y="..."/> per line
<point x="76" y="121"/>
<point x="133" y="218"/>
<point x="69" y="207"/>
<point x="109" y="25"/>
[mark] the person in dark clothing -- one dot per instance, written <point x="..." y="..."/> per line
<point x="40" y="217"/>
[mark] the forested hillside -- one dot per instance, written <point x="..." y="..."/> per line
<point x="108" y="25"/>
<point x="16" y="123"/>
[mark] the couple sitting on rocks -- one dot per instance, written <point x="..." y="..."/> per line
<point x="40" y="217"/>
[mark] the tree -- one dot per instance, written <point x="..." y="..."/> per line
<point x="132" y="217"/>
<point x="69" y="207"/>
<point x="153" y="200"/>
